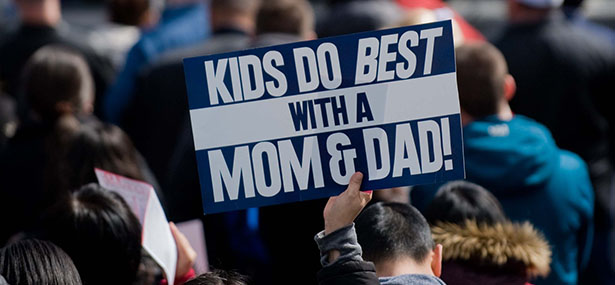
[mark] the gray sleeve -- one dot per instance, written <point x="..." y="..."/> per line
<point x="344" y="240"/>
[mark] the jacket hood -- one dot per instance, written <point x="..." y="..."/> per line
<point x="509" y="155"/>
<point x="500" y="245"/>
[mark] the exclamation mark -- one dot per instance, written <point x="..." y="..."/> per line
<point x="446" y="142"/>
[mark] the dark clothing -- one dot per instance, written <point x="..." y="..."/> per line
<point x="22" y="168"/>
<point x="157" y="115"/>
<point x="29" y="182"/>
<point x="16" y="49"/>
<point x="565" y="80"/>
<point x="535" y="181"/>
<point x="565" y="73"/>
<point x="351" y="272"/>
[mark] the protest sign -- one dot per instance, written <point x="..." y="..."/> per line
<point x="293" y="122"/>
<point x="156" y="238"/>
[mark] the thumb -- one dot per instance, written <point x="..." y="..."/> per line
<point x="355" y="182"/>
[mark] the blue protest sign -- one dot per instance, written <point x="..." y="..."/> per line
<point x="293" y="122"/>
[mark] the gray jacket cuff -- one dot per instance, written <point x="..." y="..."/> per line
<point x="343" y="240"/>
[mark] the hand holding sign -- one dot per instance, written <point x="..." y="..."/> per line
<point x="341" y="210"/>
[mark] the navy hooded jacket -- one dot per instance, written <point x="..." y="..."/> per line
<point x="520" y="164"/>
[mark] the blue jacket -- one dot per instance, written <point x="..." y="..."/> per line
<point x="179" y="27"/>
<point x="534" y="180"/>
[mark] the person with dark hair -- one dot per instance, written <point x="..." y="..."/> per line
<point x="284" y="21"/>
<point x="56" y="83"/>
<point x="159" y="106"/>
<point x="82" y="146"/>
<point x="518" y="161"/>
<point x="483" y="246"/>
<point x="566" y="78"/>
<point x="394" y="236"/>
<point x="458" y="201"/>
<point x="35" y="262"/>
<point x="41" y="25"/>
<point x="219" y="277"/>
<point x="99" y="232"/>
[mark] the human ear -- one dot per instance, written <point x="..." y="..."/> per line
<point x="510" y="87"/>
<point x="436" y="261"/>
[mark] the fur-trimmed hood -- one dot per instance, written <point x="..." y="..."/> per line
<point x="497" y="245"/>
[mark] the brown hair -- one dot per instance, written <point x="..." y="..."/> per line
<point x="285" y="16"/>
<point x="56" y="74"/>
<point x="481" y="72"/>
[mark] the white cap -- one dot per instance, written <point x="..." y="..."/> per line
<point x="542" y="3"/>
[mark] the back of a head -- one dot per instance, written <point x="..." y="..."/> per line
<point x="100" y="145"/>
<point x="459" y="201"/>
<point x="294" y="17"/>
<point x="481" y="75"/>
<point x="129" y="12"/>
<point x="387" y="231"/>
<point x="57" y="80"/>
<point x="33" y="262"/>
<point x="100" y="233"/>
<point x="219" y="277"/>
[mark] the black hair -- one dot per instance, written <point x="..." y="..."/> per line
<point x="55" y="74"/>
<point x="33" y="262"/>
<point x="481" y="74"/>
<point x="388" y="230"/>
<point x="458" y="201"/>
<point x="219" y="277"/>
<point x="100" y="233"/>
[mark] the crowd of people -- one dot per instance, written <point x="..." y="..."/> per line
<point x="537" y="206"/>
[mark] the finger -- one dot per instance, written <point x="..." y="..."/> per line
<point x="355" y="182"/>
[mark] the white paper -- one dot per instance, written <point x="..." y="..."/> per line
<point x="157" y="238"/>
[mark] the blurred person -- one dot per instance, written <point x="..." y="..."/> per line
<point x="482" y="245"/>
<point x="57" y="83"/>
<point x="98" y="230"/>
<point x="565" y="75"/>
<point x="182" y="23"/>
<point x="347" y="17"/>
<point x="219" y="277"/>
<point x="3" y="281"/>
<point x="518" y="161"/>
<point x="35" y="262"/>
<point x="284" y="21"/>
<point x="161" y="100"/>
<point x="394" y="236"/>
<point x="444" y="12"/>
<point x="281" y="22"/>
<point x="160" y="105"/>
<point x="82" y="146"/>
<point x="41" y="24"/>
